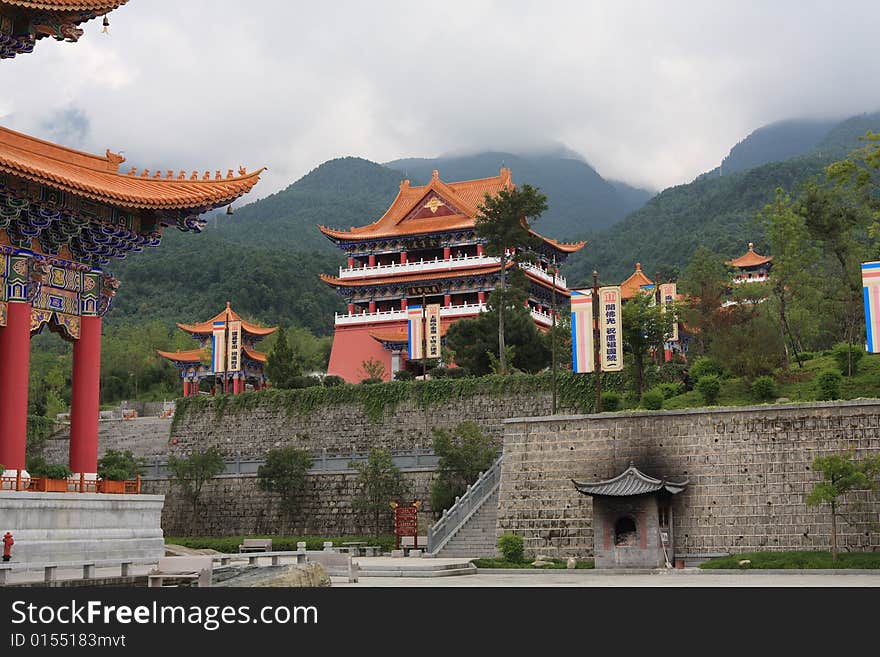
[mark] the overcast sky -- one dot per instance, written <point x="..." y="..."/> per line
<point x="652" y="93"/>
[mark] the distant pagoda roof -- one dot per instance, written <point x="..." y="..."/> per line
<point x="204" y="355"/>
<point x="631" y="287"/>
<point x="750" y="259"/>
<point x="629" y="482"/>
<point x="227" y="315"/>
<point x="59" y="19"/>
<point x="97" y="178"/>
<point x="436" y="207"/>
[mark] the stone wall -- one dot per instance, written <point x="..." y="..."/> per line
<point x="146" y="437"/>
<point x="749" y="471"/>
<point x="341" y="428"/>
<point x="234" y="506"/>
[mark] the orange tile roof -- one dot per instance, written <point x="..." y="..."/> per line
<point x="401" y="333"/>
<point x="255" y="355"/>
<point x="226" y="315"/>
<point x="750" y="258"/>
<point x="631" y="286"/>
<point x="97" y="6"/>
<point x="462" y="201"/>
<point x="97" y="177"/>
<point x="409" y="278"/>
<point x="190" y="356"/>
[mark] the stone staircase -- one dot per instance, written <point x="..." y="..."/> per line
<point x="467" y="529"/>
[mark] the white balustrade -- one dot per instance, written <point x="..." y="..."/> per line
<point x="437" y="264"/>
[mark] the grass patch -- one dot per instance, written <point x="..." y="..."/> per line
<point x="229" y="544"/>
<point x="802" y="560"/>
<point x="558" y="564"/>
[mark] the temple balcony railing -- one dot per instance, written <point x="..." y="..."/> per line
<point x="545" y="319"/>
<point x="435" y="265"/>
<point x="544" y="275"/>
<point x="464" y="310"/>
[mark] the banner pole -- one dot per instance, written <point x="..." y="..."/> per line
<point x="597" y="339"/>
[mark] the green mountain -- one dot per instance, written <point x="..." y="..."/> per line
<point x="579" y="199"/>
<point x="715" y="212"/>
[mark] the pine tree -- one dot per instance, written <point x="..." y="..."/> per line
<point x="282" y="366"/>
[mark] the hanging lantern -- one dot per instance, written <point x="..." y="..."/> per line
<point x="106" y="29"/>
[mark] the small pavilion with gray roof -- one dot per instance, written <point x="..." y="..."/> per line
<point x="632" y="519"/>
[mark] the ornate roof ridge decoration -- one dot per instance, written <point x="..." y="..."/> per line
<point x="97" y="177"/>
<point x="227" y="315"/>
<point x="97" y="7"/>
<point x="631" y="481"/>
<point x="461" y="200"/>
<point x="750" y="258"/>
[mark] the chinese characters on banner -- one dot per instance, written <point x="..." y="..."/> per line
<point x="414" y="332"/>
<point x="234" y="363"/>
<point x="433" y="327"/>
<point x="218" y="347"/>
<point x="667" y="298"/>
<point x="582" y="331"/>
<point x="871" y="290"/>
<point x="609" y="323"/>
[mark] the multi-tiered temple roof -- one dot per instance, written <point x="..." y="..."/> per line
<point x="23" y="23"/>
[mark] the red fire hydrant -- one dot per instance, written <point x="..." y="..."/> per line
<point x="7" y="546"/>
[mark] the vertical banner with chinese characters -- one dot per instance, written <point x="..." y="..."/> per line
<point x="433" y="328"/>
<point x="582" y="331"/>
<point x="871" y="290"/>
<point x="667" y="298"/>
<point x="414" y="332"/>
<point x="234" y="363"/>
<point x="609" y="324"/>
<point x="218" y="347"/>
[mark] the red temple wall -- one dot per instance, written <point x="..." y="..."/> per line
<point x="352" y="345"/>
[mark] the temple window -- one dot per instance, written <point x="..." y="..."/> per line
<point x="625" y="532"/>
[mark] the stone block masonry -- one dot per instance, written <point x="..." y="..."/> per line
<point x="234" y="506"/>
<point x="750" y="470"/>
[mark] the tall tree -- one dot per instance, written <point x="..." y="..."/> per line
<point x="645" y="327"/>
<point x="380" y="482"/>
<point x="841" y="473"/>
<point x="192" y="473"/>
<point x="464" y="453"/>
<point x="282" y="366"/>
<point x="705" y="283"/>
<point x="503" y="221"/>
<point x="284" y="472"/>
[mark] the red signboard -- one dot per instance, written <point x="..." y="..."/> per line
<point x="406" y="522"/>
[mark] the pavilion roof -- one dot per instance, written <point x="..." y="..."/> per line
<point x="631" y="287"/>
<point x="97" y="177"/>
<point x="188" y="356"/>
<point x="255" y="355"/>
<point x="400" y="333"/>
<point x="227" y="315"/>
<point x="438" y="206"/>
<point x="750" y="258"/>
<point x="630" y="482"/>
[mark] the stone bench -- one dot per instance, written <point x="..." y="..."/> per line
<point x="253" y="559"/>
<point x="256" y="545"/>
<point x="196" y="568"/>
<point x="335" y="563"/>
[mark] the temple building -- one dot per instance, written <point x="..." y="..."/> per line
<point x="750" y="267"/>
<point x="24" y="22"/>
<point x="637" y="283"/>
<point x="65" y="215"/>
<point x="226" y="359"/>
<point x="426" y="238"/>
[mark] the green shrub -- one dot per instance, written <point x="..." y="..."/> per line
<point x="331" y="381"/>
<point x="709" y="388"/>
<point x="39" y="467"/>
<point x="806" y="355"/>
<point x="842" y="353"/>
<point x="303" y="381"/>
<point x="670" y="390"/>
<point x="511" y="546"/>
<point x="764" y="388"/>
<point x="120" y="466"/>
<point x="828" y="385"/>
<point x="611" y="401"/>
<point x="671" y="372"/>
<point x="404" y="375"/>
<point x="653" y="399"/>
<point x="704" y="366"/>
<point x="371" y="380"/>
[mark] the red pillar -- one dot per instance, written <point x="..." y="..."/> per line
<point x="403" y="304"/>
<point x="185" y="388"/>
<point x="480" y="250"/>
<point x="85" y="402"/>
<point x="481" y="298"/>
<point x="15" y="353"/>
<point x="447" y="300"/>
<point x="372" y="260"/>
<point x="372" y="307"/>
<point x="403" y="257"/>
<point x="351" y="262"/>
<point x="447" y="252"/>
